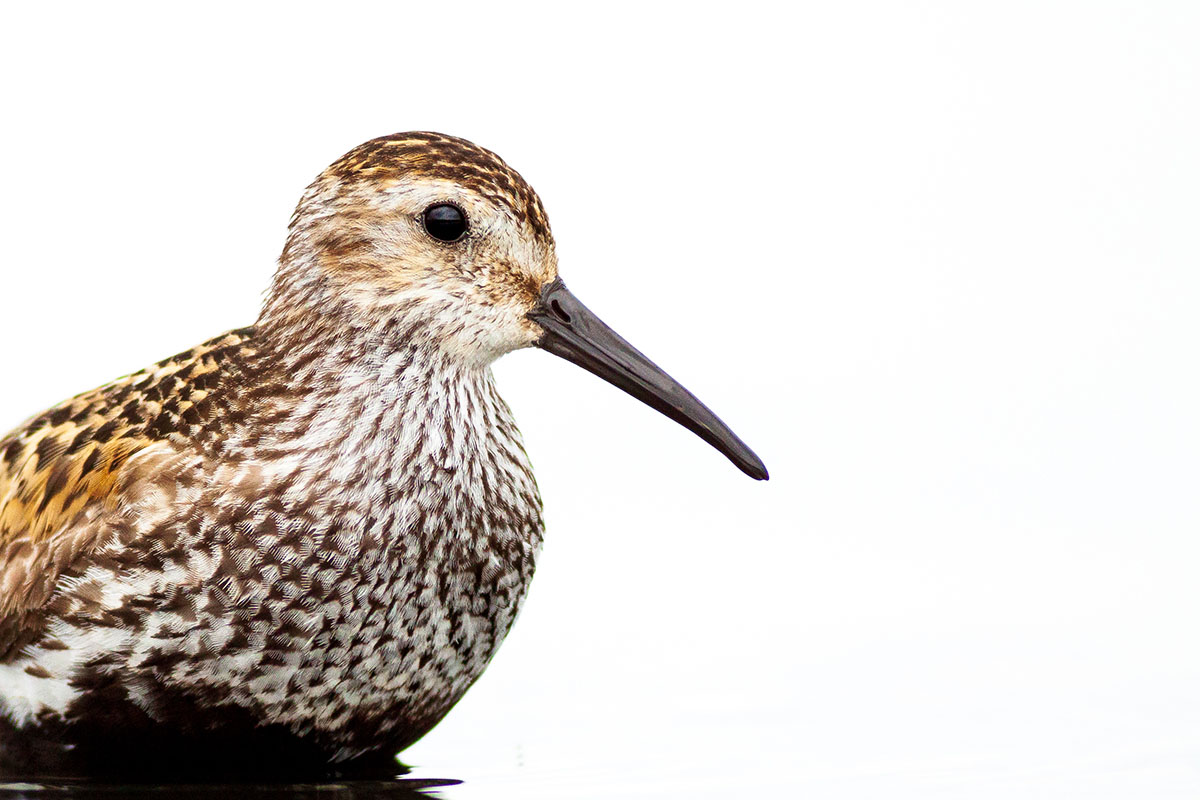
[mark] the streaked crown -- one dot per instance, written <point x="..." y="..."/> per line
<point x="441" y="157"/>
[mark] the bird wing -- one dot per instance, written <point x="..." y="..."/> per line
<point x="61" y="470"/>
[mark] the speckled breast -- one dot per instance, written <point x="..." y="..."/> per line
<point x="355" y="607"/>
<point x="343" y="590"/>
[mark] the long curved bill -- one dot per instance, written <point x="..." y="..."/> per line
<point x="576" y="334"/>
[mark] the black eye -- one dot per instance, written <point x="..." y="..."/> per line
<point x="445" y="222"/>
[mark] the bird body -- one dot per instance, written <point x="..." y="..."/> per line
<point x="315" y="532"/>
<point x="346" y="570"/>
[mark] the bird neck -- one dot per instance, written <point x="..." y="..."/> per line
<point x="381" y="405"/>
<point x="383" y="409"/>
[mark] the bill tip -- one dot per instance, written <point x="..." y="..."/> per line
<point x="757" y="470"/>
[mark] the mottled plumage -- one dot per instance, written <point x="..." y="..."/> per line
<point x="315" y="531"/>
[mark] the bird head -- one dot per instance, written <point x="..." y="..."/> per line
<point x="431" y="240"/>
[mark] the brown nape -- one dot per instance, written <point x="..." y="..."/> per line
<point x="437" y="155"/>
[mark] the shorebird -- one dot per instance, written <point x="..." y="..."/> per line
<point x="303" y="541"/>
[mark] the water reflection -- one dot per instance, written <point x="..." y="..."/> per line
<point x="393" y="789"/>
<point x="265" y="768"/>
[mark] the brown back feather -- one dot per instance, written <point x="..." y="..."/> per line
<point x="66" y="466"/>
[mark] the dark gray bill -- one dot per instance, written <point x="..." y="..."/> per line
<point x="578" y="335"/>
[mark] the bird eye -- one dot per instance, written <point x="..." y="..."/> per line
<point x="445" y="222"/>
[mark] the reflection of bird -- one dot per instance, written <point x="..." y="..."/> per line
<point x="305" y="539"/>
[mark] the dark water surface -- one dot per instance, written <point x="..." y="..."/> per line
<point x="394" y="789"/>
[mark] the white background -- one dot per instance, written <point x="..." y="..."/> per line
<point x="937" y="262"/>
